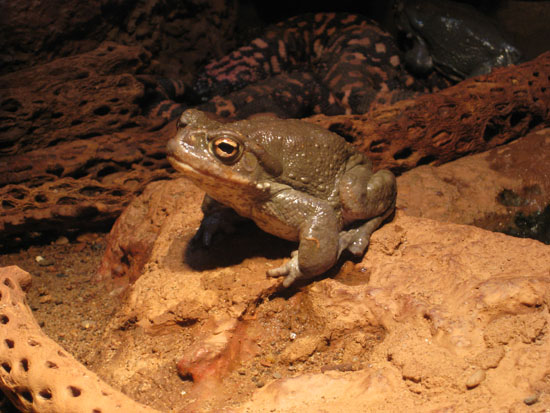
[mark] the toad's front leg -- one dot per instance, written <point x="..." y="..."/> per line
<point x="318" y="232"/>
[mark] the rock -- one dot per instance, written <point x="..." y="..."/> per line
<point x="99" y="177"/>
<point x="490" y="190"/>
<point x="475" y="379"/>
<point x="301" y="349"/>
<point x="433" y="300"/>
<point x="74" y="157"/>
<point x="39" y="375"/>
<point x="132" y="238"/>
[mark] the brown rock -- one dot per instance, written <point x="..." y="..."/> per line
<point x="437" y="297"/>
<point x="489" y="190"/>
<point x="84" y="189"/>
<point x="131" y="240"/>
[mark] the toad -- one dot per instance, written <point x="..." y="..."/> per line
<point x="453" y="38"/>
<point x="295" y="180"/>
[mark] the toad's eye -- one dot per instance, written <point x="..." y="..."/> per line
<point x="226" y="149"/>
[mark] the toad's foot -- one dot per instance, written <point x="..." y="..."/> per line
<point x="290" y="268"/>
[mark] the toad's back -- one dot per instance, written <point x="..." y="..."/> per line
<point x="313" y="158"/>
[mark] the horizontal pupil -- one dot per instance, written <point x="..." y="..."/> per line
<point x="226" y="147"/>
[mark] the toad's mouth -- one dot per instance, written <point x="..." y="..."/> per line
<point x="210" y="174"/>
<point x="180" y="166"/>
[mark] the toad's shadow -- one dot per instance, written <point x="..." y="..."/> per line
<point x="248" y="241"/>
<point x="226" y="250"/>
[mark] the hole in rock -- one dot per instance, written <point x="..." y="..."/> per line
<point x="340" y="129"/>
<point x="25" y="364"/>
<point x="27" y="395"/>
<point x="74" y="391"/>
<point x="51" y="365"/>
<point x="4" y="319"/>
<point x="102" y="110"/>
<point x="425" y="160"/>
<point x="56" y="170"/>
<point x="491" y="130"/>
<point x="18" y="193"/>
<point x="7" y="204"/>
<point x="403" y="153"/>
<point x="516" y="118"/>
<point x="108" y="170"/>
<point x="6" y="366"/>
<point x="66" y="200"/>
<point x="40" y="198"/>
<point x="45" y="394"/>
<point x="11" y="105"/>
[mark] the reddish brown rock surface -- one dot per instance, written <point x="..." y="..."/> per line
<point x="74" y="98"/>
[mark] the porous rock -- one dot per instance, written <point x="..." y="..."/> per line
<point x="84" y="188"/>
<point x="76" y="97"/>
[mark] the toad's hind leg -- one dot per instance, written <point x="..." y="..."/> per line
<point x="365" y="196"/>
<point x="357" y="239"/>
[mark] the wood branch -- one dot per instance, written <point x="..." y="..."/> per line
<point x="86" y="183"/>
<point x="472" y="116"/>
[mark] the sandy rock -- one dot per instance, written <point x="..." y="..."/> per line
<point x="435" y="316"/>
<point x="131" y="240"/>
<point x="442" y="313"/>
<point x="489" y="190"/>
